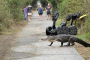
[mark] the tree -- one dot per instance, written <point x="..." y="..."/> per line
<point x="16" y="8"/>
<point x="44" y="3"/>
<point x="11" y="10"/>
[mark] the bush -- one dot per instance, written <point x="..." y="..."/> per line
<point x="66" y="7"/>
<point x="4" y="15"/>
<point x="88" y="35"/>
<point x="1" y="27"/>
<point x="11" y="10"/>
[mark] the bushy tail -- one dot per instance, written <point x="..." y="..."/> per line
<point x="83" y="42"/>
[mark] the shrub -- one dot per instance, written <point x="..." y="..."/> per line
<point x="11" y="10"/>
<point x="88" y="35"/>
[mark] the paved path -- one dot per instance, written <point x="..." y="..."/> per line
<point x="29" y="46"/>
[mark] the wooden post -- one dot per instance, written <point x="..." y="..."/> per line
<point x="81" y="26"/>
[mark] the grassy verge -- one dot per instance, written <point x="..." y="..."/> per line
<point x="8" y="38"/>
<point x="59" y="21"/>
<point x="83" y="51"/>
<point x="16" y="26"/>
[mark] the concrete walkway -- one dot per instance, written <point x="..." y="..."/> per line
<point x="29" y="46"/>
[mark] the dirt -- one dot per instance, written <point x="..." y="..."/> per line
<point x="83" y="51"/>
<point x="6" y="42"/>
<point x="8" y="39"/>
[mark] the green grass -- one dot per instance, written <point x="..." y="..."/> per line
<point x="59" y="21"/>
<point x="85" y="36"/>
<point x="81" y="36"/>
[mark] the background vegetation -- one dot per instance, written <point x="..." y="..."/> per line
<point x="11" y="11"/>
<point x="66" y="7"/>
<point x="44" y="3"/>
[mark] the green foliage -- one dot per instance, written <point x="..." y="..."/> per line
<point x="88" y="35"/>
<point x="1" y="27"/>
<point x="66" y="7"/>
<point x="61" y="7"/>
<point x="71" y="6"/>
<point x="87" y="24"/>
<point x="44" y="3"/>
<point x="34" y="3"/>
<point x="16" y="8"/>
<point x="4" y="15"/>
<point x="82" y="36"/>
<point x="11" y="10"/>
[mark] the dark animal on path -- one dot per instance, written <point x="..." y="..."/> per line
<point x="66" y="38"/>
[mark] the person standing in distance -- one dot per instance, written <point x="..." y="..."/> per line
<point x="40" y="12"/>
<point x="29" y="12"/>
<point x="25" y="13"/>
<point x="48" y="9"/>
